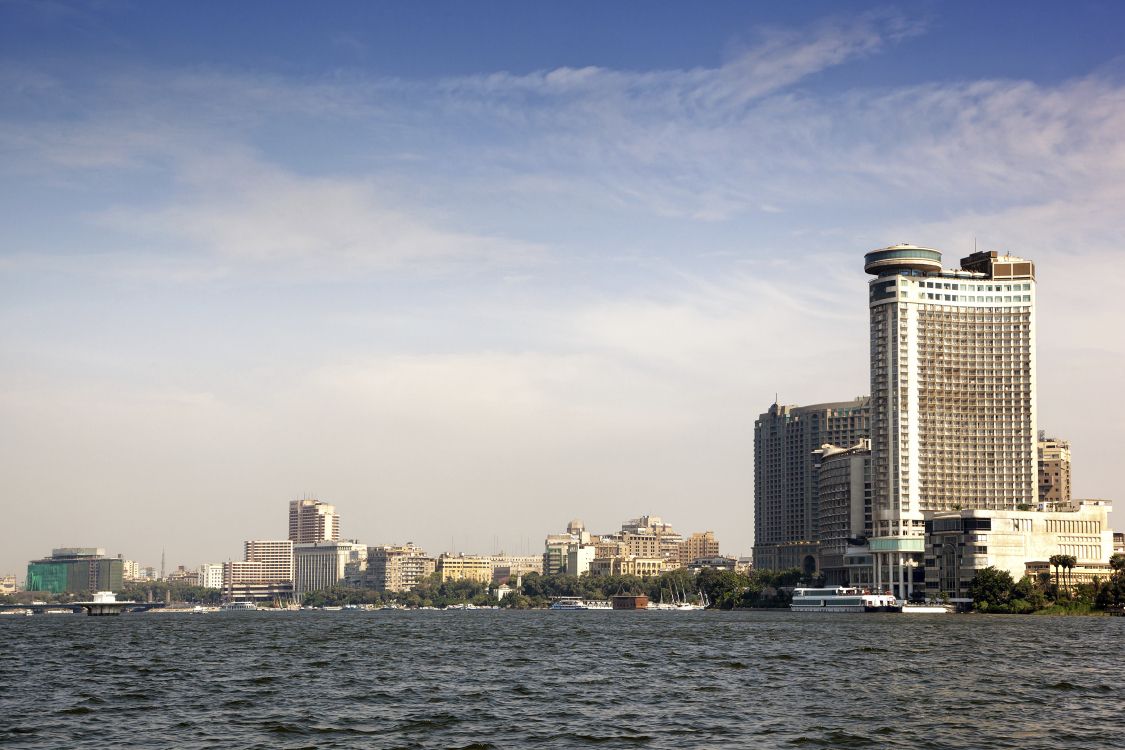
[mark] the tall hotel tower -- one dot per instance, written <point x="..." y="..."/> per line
<point x="952" y="395"/>
<point x="312" y="521"/>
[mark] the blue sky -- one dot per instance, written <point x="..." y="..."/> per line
<point x="471" y="270"/>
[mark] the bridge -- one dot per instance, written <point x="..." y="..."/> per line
<point x="93" y="609"/>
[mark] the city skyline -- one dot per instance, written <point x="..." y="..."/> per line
<point x="540" y="275"/>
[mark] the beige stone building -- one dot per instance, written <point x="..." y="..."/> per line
<point x="464" y="567"/>
<point x="701" y="544"/>
<point x="628" y="565"/>
<point x="1054" y="473"/>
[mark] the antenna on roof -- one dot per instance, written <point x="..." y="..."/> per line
<point x="974" y="243"/>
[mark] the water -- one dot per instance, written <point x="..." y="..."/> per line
<point x="484" y="679"/>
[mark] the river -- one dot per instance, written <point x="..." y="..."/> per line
<point x="542" y="679"/>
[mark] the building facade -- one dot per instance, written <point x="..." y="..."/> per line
<point x="844" y="513"/>
<point x="275" y="555"/>
<point x="953" y="419"/>
<point x="464" y="567"/>
<point x="960" y="543"/>
<point x="1054" y="473"/>
<point x="211" y="575"/>
<point x="701" y="544"/>
<point x="785" y="479"/>
<point x="393" y="568"/>
<point x="311" y="521"/>
<point x="322" y="565"/>
<point x="75" y="570"/>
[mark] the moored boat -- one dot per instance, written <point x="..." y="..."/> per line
<point x="842" y="599"/>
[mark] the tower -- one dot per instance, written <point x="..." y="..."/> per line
<point x="953" y="421"/>
<point x="311" y="521"/>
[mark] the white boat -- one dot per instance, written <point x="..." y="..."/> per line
<point x="926" y="609"/>
<point x="239" y="607"/>
<point x="575" y="603"/>
<point x="842" y="599"/>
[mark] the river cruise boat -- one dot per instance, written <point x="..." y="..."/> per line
<point x="239" y="607"/>
<point x="842" y="599"/>
<point x="573" y="603"/>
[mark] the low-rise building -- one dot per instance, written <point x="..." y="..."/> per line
<point x="958" y="544"/>
<point x="391" y="568"/>
<point x="701" y="544"/>
<point x="628" y="565"/>
<point x="188" y="577"/>
<point x="713" y="563"/>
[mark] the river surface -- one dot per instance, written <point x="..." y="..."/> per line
<point x="504" y="679"/>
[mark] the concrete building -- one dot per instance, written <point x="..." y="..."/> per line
<point x="311" y="521"/>
<point x="628" y="565"/>
<point x="1119" y="542"/>
<point x="844" y="514"/>
<point x="321" y="565"/>
<point x="510" y="567"/>
<point x="392" y="568"/>
<point x="959" y="543"/>
<point x="1054" y="473"/>
<point x="275" y="555"/>
<point x="578" y="559"/>
<point x="785" y="480"/>
<point x="247" y="580"/>
<point x="131" y="570"/>
<point x="211" y="575"/>
<point x="701" y="544"/>
<point x="184" y="575"/>
<point x="75" y="570"/>
<point x="953" y="415"/>
<point x="715" y="563"/>
<point x="464" y="567"/>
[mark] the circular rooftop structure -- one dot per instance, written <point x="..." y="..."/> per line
<point x="898" y="258"/>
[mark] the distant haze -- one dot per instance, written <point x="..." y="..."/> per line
<point x="468" y="273"/>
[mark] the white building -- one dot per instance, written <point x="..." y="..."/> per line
<point x="953" y="422"/>
<point x="321" y="565"/>
<point x="211" y="575"/>
<point x="578" y="558"/>
<point x="960" y="543"/>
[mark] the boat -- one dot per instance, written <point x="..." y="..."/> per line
<point x="926" y="609"/>
<point x="239" y="607"/>
<point x="842" y="599"/>
<point x="575" y="603"/>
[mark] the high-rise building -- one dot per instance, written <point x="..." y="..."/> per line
<point x="312" y="521"/>
<point x="1054" y="473"/>
<point x="844" y="513"/>
<point x="321" y="565"/>
<point x="952" y="395"/>
<point x="75" y="570"/>
<point x="275" y="555"/>
<point x="785" y="479"/>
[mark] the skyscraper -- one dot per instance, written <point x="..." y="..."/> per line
<point x="312" y="521"/>
<point x="785" y="480"/>
<point x="952" y="395"/>
<point x="1054" y="473"/>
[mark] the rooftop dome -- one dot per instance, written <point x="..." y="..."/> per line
<point x="901" y="258"/>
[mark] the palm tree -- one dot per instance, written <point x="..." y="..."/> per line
<point x="1070" y="562"/>
<point x="1056" y="562"/>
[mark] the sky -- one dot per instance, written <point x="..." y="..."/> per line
<point x="470" y="270"/>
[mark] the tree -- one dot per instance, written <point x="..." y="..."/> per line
<point x="991" y="589"/>
<point x="1069" y="562"/>
<point x="1056" y="563"/>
